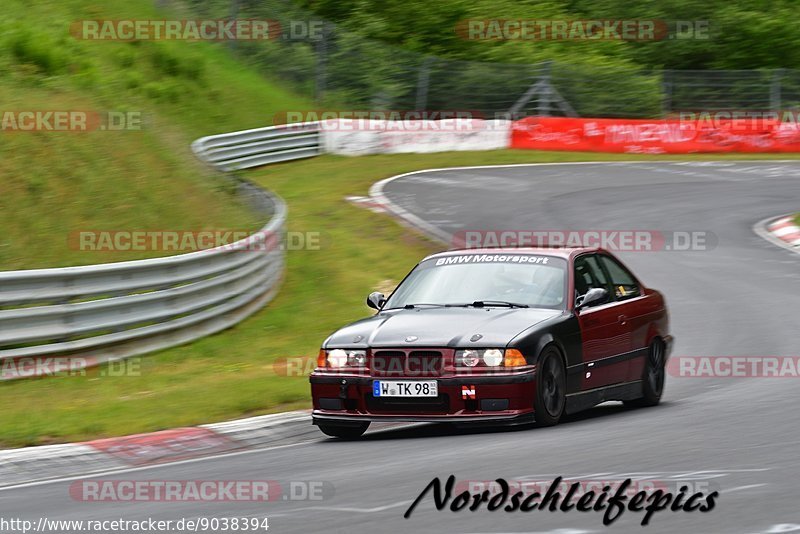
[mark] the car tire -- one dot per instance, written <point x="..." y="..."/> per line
<point x="551" y="388"/>
<point x="344" y="431"/>
<point x="653" y="376"/>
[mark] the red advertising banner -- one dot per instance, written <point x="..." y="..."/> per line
<point x="718" y="132"/>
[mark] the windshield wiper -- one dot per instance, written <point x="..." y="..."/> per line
<point x="475" y="304"/>
<point x="412" y="306"/>
<point x="453" y="305"/>
<point x="487" y="303"/>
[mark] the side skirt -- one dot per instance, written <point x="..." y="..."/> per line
<point x="620" y="392"/>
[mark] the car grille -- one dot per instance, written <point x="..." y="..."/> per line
<point x="410" y="363"/>
<point x="388" y="363"/>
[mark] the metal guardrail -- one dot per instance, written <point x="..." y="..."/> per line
<point x="94" y="314"/>
<point x="261" y="146"/>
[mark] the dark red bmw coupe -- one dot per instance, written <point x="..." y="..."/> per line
<point x="496" y="336"/>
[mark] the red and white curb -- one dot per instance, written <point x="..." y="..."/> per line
<point x="367" y="202"/>
<point x="781" y="231"/>
<point x="37" y="465"/>
<point x="34" y="464"/>
<point x="787" y="230"/>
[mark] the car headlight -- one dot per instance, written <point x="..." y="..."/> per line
<point x="338" y="358"/>
<point x="357" y="358"/>
<point x="493" y="357"/>
<point x="479" y="357"/>
<point x="490" y="358"/>
<point x="468" y="358"/>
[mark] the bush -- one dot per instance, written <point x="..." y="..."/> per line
<point x="190" y="67"/>
<point x="164" y="62"/>
<point x="39" y="50"/>
<point x="162" y="91"/>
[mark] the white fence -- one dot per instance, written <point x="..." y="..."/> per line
<point x="359" y="138"/>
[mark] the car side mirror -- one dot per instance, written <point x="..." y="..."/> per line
<point x="596" y="295"/>
<point x="376" y="300"/>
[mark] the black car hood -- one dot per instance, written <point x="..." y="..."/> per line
<point x="439" y="327"/>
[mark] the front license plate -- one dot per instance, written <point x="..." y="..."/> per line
<point x="405" y="388"/>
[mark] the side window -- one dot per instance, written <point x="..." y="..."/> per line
<point x="598" y="272"/>
<point x="588" y="275"/>
<point x="624" y="283"/>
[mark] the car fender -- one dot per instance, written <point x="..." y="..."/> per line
<point x="563" y="332"/>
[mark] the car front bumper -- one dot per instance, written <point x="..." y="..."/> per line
<point x="494" y="399"/>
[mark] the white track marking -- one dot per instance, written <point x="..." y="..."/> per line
<point x="146" y="467"/>
<point x="557" y="531"/>
<point x="346" y="509"/>
<point x="741" y="488"/>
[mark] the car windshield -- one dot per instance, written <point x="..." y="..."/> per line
<point x="530" y="280"/>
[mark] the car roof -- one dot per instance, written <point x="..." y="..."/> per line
<point x="559" y="252"/>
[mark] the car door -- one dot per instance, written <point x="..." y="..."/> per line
<point x="635" y="306"/>
<point x="604" y="328"/>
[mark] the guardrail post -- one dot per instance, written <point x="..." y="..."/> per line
<point x="320" y="76"/>
<point x="234" y="14"/>
<point x="775" y="90"/>
<point x="423" y="82"/>
<point x="666" y="87"/>
<point x="543" y="104"/>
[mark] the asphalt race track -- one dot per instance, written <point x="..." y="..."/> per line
<point x="740" y="436"/>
